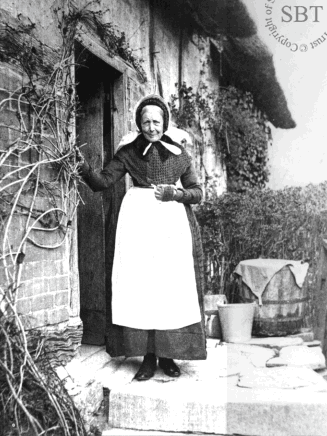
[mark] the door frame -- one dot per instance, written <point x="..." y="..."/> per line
<point x="120" y="86"/>
<point x="121" y="116"/>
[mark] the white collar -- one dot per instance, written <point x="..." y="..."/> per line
<point x="172" y="148"/>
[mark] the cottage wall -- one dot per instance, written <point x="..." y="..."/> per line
<point x="47" y="294"/>
<point x="45" y="277"/>
<point x="171" y="53"/>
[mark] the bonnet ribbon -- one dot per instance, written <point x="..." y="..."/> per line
<point x="172" y="148"/>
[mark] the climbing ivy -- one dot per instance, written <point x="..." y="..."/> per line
<point x="194" y="109"/>
<point x="242" y="132"/>
<point x="114" y="40"/>
<point x="244" y="136"/>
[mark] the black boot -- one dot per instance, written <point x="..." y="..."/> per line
<point x="148" y="368"/>
<point x="169" y="367"/>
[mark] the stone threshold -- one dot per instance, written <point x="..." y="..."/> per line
<point x="232" y="392"/>
<point x="129" y="432"/>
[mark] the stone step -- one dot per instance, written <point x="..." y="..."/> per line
<point x="218" y="409"/>
<point x="84" y="379"/>
<point x="129" y="432"/>
<point x="233" y="392"/>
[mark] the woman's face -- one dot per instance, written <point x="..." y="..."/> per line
<point x="152" y="123"/>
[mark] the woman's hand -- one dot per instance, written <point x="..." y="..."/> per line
<point x="158" y="192"/>
<point x="165" y="192"/>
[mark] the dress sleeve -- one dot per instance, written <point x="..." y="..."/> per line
<point x="191" y="193"/>
<point x="100" y="180"/>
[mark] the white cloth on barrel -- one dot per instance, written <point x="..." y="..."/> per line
<point x="153" y="280"/>
<point x="257" y="273"/>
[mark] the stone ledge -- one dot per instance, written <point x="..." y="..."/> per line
<point x="306" y="334"/>
<point x="299" y="356"/>
<point x="131" y="432"/>
<point x="207" y="398"/>
<point x="289" y="378"/>
<point x="84" y="378"/>
<point x="276" y="342"/>
<point x="218" y="409"/>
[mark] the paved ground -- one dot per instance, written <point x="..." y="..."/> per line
<point x="232" y="392"/>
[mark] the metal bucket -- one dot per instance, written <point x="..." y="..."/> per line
<point x="236" y="321"/>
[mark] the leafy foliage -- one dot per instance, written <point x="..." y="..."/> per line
<point x="113" y="39"/>
<point x="284" y="224"/>
<point x="241" y="130"/>
<point x="244" y="137"/>
<point x="197" y="110"/>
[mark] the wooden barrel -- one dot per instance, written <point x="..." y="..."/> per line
<point x="283" y="305"/>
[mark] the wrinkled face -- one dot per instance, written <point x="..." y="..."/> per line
<point x="152" y="123"/>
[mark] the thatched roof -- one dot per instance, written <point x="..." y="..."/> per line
<point x="251" y="68"/>
<point x="249" y="62"/>
<point x="229" y="17"/>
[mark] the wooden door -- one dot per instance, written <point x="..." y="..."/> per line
<point x="94" y="130"/>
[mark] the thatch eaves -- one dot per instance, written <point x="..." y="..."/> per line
<point x="250" y="63"/>
<point x="251" y="66"/>
<point x="228" y="17"/>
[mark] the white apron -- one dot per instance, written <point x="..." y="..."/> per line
<point x="153" y="279"/>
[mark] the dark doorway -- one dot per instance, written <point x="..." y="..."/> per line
<point x="97" y="212"/>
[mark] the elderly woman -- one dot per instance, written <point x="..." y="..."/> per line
<point x="157" y="278"/>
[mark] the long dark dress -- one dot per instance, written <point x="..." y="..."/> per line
<point x="158" y="166"/>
